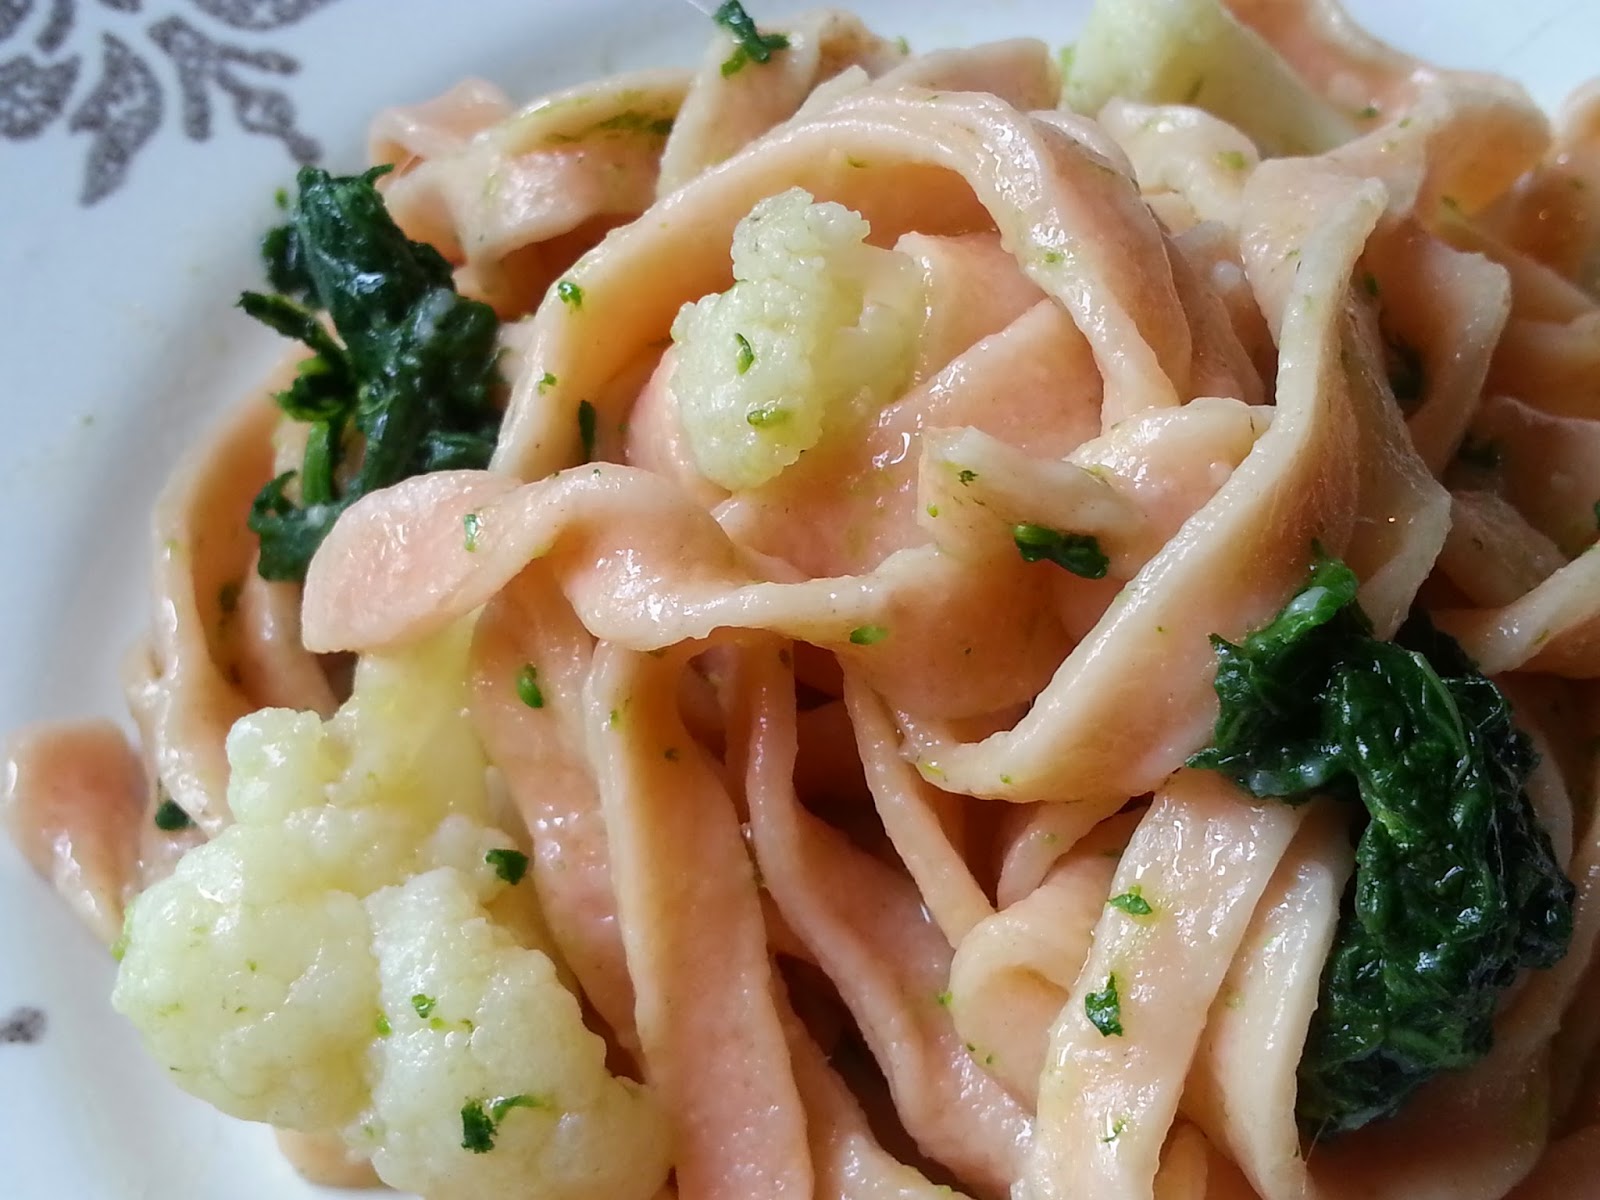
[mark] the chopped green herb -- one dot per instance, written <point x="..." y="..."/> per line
<point x="1456" y="888"/>
<point x="528" y="689"/>
<point x="1132" y="902"/>
<point x="381" y="1026"/>
<point x="546" y="382"/>
<point x="853" y="161"/>
<point x="933" y="510"/>
<point x="472" y="524"/>
<point x="868" y="635"/>
<point x="743" y="357"/>
<point x="1079" y="553"/>
<point x="480" y="1119"/>
<point x="1054" y="257"/>
<point x="1485" y="455"/>
<point x="510" y="865"/>
<point x="1117" y="1129"/>
<point x="170" y="816"/>
<point x="423" y="1004"/>
<point x="571" y="294"/>
<point x="1104" y="1009"/>
<point x="943" y="999"/>
<point x="751" y="44"/>
<point x="1233" y="160"/>
<point x="1367" y="113"/>
<point x="404" y="384"/>
<point x="964" y="477"/>
<point x="764" y="415"/>
<point x="586" y="425"/>
<point x="1369" y="283"/>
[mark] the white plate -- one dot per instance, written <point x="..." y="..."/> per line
<point x="118" y="344"/>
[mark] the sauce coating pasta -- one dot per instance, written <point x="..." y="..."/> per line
<point x="771" y="771"/>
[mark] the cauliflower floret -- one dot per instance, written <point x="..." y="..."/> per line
<point x="346" y="956"/>
<point x="818" y="330"/>
<point x="502" y="1060"/>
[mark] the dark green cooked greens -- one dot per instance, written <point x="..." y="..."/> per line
<point x="405" y="383"/>
<point x="1456" y="886"/>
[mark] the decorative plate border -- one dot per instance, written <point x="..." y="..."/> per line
<point x="111" y="70"/>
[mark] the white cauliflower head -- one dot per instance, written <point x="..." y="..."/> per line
<point x="346" y="957"/>
<point x="504" y="1042"/>
<point x="818" y="330"/>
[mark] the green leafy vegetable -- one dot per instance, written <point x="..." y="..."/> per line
<point x="1132" y="902"/>
<point x="480" y="1119"/>
<point x="1456" y="887"/>
<point x="751" y="45"/>
<point x="528" y="689"/>
<point x="1079" y="553"/>
<point x="423" y="1004"/>
<point x="744" y="357"/>
<point x="170" y="817"/>
<point x="510" y="865"/>
<point x="1104" y="1009"/>
<point x="406" y="386"/>
<point x="571" y="294"/>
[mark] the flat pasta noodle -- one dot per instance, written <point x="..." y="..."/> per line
<point x="772" y="775"/>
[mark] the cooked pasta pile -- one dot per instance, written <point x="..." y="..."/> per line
<point x="941" y="687"/>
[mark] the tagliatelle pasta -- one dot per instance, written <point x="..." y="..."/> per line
<point x="773" y="772"/>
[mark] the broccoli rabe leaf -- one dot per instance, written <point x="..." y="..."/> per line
<point x="1456" y="886"/>
<point x="406" y="386"/>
